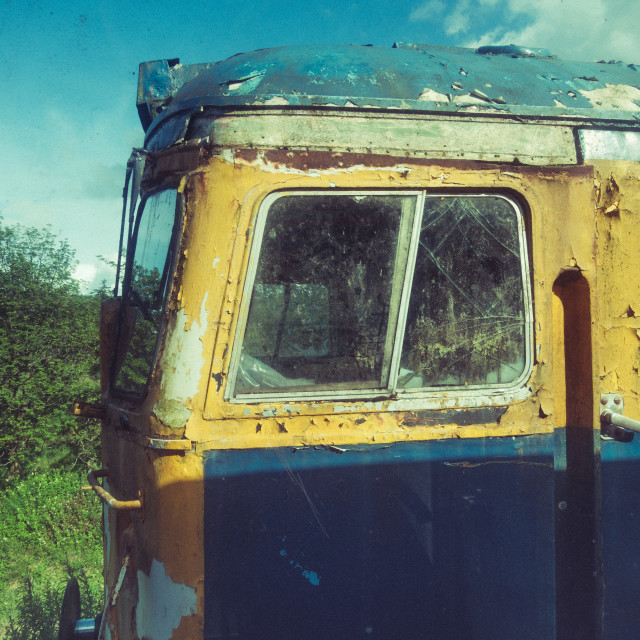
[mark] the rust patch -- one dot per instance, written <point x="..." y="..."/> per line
<point x="248" y="155"/>
<point x="219" y="379"/>
<point x="609" y="197"/>
<point x="461" y="417"/>
<point x="325" y="160"/>
<point x="169" y="164"/>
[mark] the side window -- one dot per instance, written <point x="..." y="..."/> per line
<point x="147" y="279"/>
<point x="396" y="292"/>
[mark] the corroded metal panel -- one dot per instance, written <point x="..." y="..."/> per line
<point x="154" y="557"/>
<point x="411" y="78"/>
<point x="556" y="241"/>
<point x="413" y="137"/>
<point x="618" y="340"/>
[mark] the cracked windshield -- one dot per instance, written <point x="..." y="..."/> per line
<point x="466" y="316"/>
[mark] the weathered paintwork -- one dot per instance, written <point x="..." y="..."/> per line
<point x="415" y="78"/>
<point x="618" y="342"/>
<point x="382" y="541"/>
<point x="385" y="516"/>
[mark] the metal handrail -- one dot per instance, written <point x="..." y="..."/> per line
<point x="107" y="498"/>
<point x="618" y="420"/>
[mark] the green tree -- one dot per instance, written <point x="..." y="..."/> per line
<point x="48" y="353"/>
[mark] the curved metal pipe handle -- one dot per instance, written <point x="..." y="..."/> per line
<point x="108" y="499"/>
<point x="618" y="420"/>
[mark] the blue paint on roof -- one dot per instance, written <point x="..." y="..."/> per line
<point x="508" y="80"/>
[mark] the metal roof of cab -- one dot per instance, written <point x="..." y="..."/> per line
<point x="506" y="80"/>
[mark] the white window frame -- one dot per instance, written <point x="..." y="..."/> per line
<point x="404" y="399"/>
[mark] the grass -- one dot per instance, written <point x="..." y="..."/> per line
<point x="49" y="531"/>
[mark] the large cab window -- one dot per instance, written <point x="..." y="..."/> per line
<point x="395" y="292"/>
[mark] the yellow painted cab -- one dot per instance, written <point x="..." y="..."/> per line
<point x="374" y="304"/>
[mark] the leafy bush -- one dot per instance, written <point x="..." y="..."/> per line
<point x="48" y="354"/>
<point x="49" y="531"/>
<point x="49" y="527"/>
<point x="36" y="613"/>
<point x="38" y="607"/>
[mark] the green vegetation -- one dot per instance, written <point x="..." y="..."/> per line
<point x="49" y="531"/>
<point x="49" y="527"/>
<point x="48" y="354"/>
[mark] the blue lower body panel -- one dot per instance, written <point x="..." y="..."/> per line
<point x="447" y="538"/>
<point x="621" y="536"/>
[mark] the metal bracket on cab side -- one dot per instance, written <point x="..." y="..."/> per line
<point x="613" y="425"/>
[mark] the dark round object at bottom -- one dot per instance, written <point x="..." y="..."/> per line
<point x="70" y="612"/>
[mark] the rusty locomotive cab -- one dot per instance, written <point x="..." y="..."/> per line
<point x="373" y="303"/>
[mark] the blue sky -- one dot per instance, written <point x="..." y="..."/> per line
<point x="68" y="85"/>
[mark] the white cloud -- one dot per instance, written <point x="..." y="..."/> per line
<point x="94" y="275"/>
<point x="85" y="273"/>
<point x="456" y="16"/>
<point x="460" y="19"/>
<point x="427" y="11"/>
<point x="571" y="29"/>
<point x="70" y="175"/>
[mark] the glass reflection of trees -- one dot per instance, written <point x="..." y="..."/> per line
<point x="147" y="280"/>
<point x="466" y="316"/>
<point x="320" y="305"/>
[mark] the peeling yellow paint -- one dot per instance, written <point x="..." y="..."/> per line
<point x="223" y="199"/>
<point x="618" y="239"/>
<point x="564" y="205"/>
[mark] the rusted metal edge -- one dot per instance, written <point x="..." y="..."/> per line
<point x="108" y="499"/>
<point x="446" y="79"/>
<point x="159" y="444"/>
<point x="88" y="409"/>
<point x="164" y="445"/>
